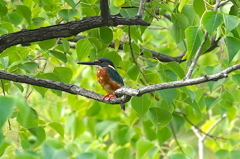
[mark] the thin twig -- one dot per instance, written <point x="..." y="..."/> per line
<point x="200" y="130"/>
<point x="3" y="87"/>
<point x="133" y="55"/>
<point x="194" y="62"/>
<point x="175" y="138"/>
<point x="141" y="8"/>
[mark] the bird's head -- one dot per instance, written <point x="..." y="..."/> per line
<point x="101" y="62"/>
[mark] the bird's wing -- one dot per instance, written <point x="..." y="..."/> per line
<point x="115" y="76"/>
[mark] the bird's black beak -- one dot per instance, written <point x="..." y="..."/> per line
<point x="87" y="63"/>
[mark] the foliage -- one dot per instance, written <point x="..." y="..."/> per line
<point x="40" y="123"/>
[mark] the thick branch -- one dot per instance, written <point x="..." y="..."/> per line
<point x="104" y="10"/>
<point x="64" y="30"/>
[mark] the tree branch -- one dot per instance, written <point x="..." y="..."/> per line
<point x="175" y="84"/>
<point x="104" y="10"/>
<point x="125" y="92"/>
<point x="141" y="8"/>
<point x="64" y="30"/>
<point x="196" y="57"/>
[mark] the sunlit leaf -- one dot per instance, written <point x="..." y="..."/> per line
<point x="25" y="12"/>
<point x="194" y="36"/>
<point x="57" y="127"/>
<point x="231" y="22"/>
<point x="63" y="73"/>
<point x="123" y="153"/>
<point x="211" y="20"/>
<point x="199" y="7"/>
<point x="83" y="48"/>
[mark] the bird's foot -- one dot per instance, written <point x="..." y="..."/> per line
<point x="108" y="95"/>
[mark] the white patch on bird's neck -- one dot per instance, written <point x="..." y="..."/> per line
<point x="97" y="66"/>
<point x="111" y="67"/>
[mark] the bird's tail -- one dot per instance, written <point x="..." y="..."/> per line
<point x="122" y="106"/>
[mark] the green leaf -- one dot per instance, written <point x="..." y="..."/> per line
<point x="231" y="22"/>
<point x="211" y="20"/>
<point x="133" y="72"/>
<point x="59" y="55"/>
<point x="6" y="108"/>
<point x="228" y="101"/>
<point x="38" y="21"/>
<point x="106" y="35"/>
<point x="39" y="132"/>
<point x="177" y="156"/>
<point x="188" y="11"/>
<point x="86" y="155"/>
<point x="162" y="5"/>
<point x="67" y="14"/>
<point x="14" y="18"/>
<point x="199" y="7"/>
<point x="194" y="38"/>
<point x="159" y="117"/>
<point x="28" y="66"/>
<point x="71" y="3"/>
<point x="182" y="4"/>
<point x="193" y="104"/>
<point x="233" y="47"/>
<point x="47" y="44"/>
<point x="104" y="127"/>
<point x="83" y="48"/>
<point x="210" y="102"/>
<point x="74" y="125"/>
<point x="122" y="135"/>
<point x="50" y="152"/>
<point x="178" y="28"/>
<point x="236" y="78"/>
<point x="25" y="12"/>
<point x="63" y="73"/>
<point x="168" y="94"/>
<point x="140" y="104"/>
<point x="163" y="135"/>
<point x="57" y="127"/>
<point x="142" y="147"/>
<point x="129" y="12"/>
<point x="3" y="10"/>
<point x="123" y="153"/>
<point x="40" y="90"/>
<point x="175" y="66"/>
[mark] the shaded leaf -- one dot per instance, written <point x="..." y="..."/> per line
<point x="6" y="108"/>
<point x="159" y="117"/>
<point x="233" y="47"/>
<point x="140" y="104"/>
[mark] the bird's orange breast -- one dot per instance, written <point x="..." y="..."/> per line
<point x="107" y="83"/>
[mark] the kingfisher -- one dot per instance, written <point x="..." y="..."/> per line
<point x="107" y="76"/>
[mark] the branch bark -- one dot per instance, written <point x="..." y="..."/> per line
<point x="125" y="92"/>
<point x="64" y="30"/>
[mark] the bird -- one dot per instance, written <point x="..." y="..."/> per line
<point x="107" y="76"/>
